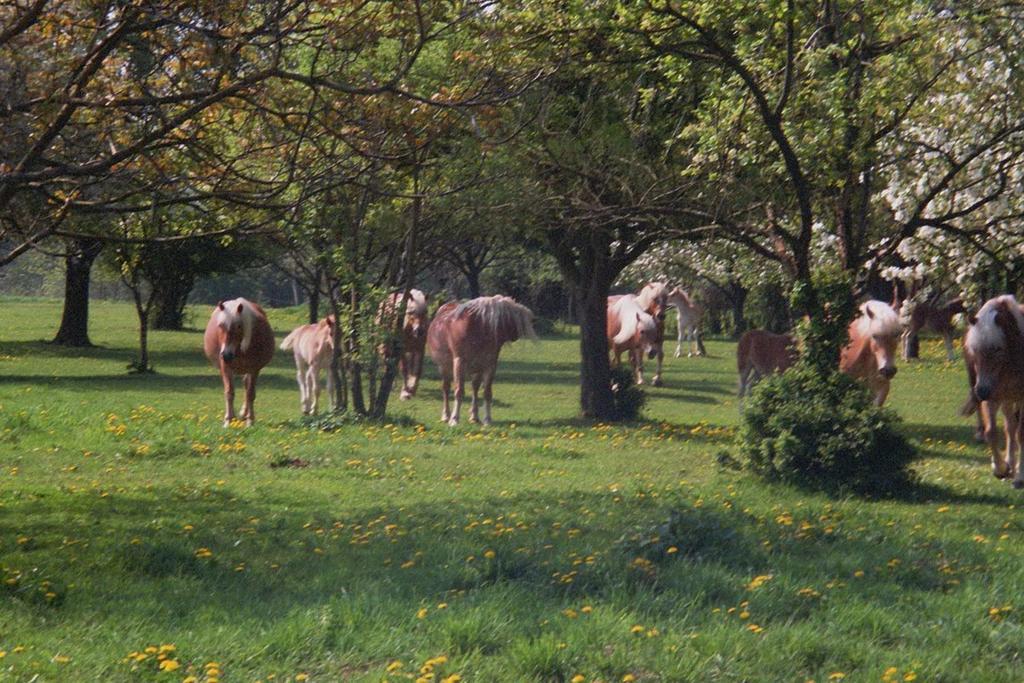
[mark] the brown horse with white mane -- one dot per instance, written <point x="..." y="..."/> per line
<point x="414" y="336"/>
<point x="994" y="353"/>
<point x="869" y="354"/>
<point x="464" y="339"/>
<point x="238" y="339"/>
<point x="313" y="346"/>
<point x="633" y="330"/>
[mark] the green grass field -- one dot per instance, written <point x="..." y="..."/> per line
<point x="140" y="541"/>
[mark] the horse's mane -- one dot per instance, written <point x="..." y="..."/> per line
<point x="248" y="315"/>
<point x="627" y="309"/>
<point x="495" y="312"/>
<point x="986" y="329"/>
<point x="883" y="322"/>
<point x="650" y="292"/>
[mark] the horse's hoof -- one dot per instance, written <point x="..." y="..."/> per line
<point x="227" y="423"/>
<point x="657" y="383"/>
<point x="1018" y="483"/>
<point x="1004" y="474"/>
<point x="453" y="422"/>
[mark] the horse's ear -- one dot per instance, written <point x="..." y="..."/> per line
<point x="868" y="313"/>
<point x="638" y="316"/>
<point x="241" y="307"/>
<point x="220" y="305"/>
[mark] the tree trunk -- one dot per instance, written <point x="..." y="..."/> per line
<point x="472" y="281"/>
<point x="74" y="323"/>
<point x="169" y="304"/>
<point x="738" y="297"/>
<point x="596" y="399"/>
<point x="314" y="305"/>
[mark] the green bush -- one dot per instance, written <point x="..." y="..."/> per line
<point x="823" y="431"/>
<point x="629" y="398"/>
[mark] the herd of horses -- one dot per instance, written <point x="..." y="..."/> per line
<point x="464" y="340"/>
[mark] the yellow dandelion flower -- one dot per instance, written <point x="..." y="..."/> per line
<point x="394" y="666"/>
<point x="422" y="613"/>
<point x="910" y="676"/>
<point x="454" y="678"/>
<point x="637" y="628"/>
<point x="301" y="677"/>
<point x="628" y="678"/>
<point x="489" y="554"/>
<point x="169" y="665"/>
<point x="61" y="659"/>
<point x="836" y="676"/>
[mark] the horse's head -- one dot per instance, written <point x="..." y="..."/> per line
<point x="231" y="330"/>
<point x="654" y="299"/>
<point x="646" y="334"/>
<point x="882" y="328"/>
<point x="326" y="330"/>
<point x="992" y="338"/>
<point x="416" y="318"/>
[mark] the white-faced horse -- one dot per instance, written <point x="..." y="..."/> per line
<point x="869" y="355"/>
<point x="238" y="339"/>
<point x="313" y="346"/>
<point x="994" y="352"/>
<point x="414" y="336"/>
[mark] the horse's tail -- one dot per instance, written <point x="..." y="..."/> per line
<point x="291" y="339"/>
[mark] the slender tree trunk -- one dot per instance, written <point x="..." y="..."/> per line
<point x="596" y="398"/>
<point x="472" y="281"/>
<point x="314" y="305"/>
<point x="74" y="323"/>
<point x="738" y="297"/>
<point x="169" y="303"/>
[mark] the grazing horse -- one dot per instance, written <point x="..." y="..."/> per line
<point x="631" y="329"/>
<point x="690" y="314"/>
<point x="313" y="346"/>
<point x="466" y="338"/>
<point x="994" y="353"/>
<point x="414" y="336"/>
<point x="868" y="355"/>
<point x="928" y="315"/>
<point x="238" y="339"/>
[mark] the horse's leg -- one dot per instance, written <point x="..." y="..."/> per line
<point x="300" y="377"/>
<point x="403" y="365"/>
<point x="314" y="386"/>
<point x="1017" y="415"/>
<point x="656" y="381"/>
<point x="446" y="388"/>
<point x="947" y="337"/>
<point x="229" y="395"/>
<point x="636" y="357"/>
<point x="474" y="411"/>
<point x="330" y="384"/>
<point x="701" y="351"/>
<point x="418" y="372"/>
<point x="488" y="394"/>
<point x="250" y="398"/>
<point x="1011" y="425"/>
<point x="991" y="417"/>
<point x="905" y="342"/>
<point x="680" y="336"/>
<point x="460" y="390"/>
